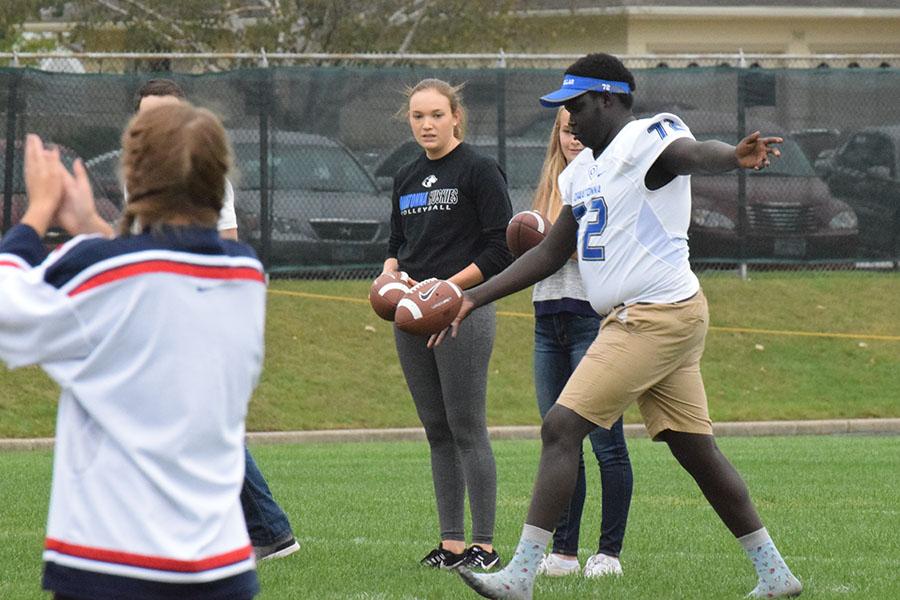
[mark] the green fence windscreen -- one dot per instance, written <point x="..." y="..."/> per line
<point x="315" y="198"/>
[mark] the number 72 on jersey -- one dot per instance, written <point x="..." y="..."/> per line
<point x="595" y="211"/>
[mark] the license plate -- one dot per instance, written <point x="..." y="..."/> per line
<point x="790" y="247"/>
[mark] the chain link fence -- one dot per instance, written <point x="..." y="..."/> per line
<point x="316" y="144"/>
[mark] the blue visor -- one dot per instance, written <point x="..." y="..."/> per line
<point x="573" y="86"/>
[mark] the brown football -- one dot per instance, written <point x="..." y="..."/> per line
<point x="386" y="291"/>
<point x="428" y="307"/>
<point x="526" y="230"/>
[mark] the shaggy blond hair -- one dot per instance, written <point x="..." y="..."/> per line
<point x="547" y="198"/>
<point x="174" y="161"/>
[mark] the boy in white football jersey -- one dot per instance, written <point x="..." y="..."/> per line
<point x="627" y="210"/>
<point x="149" y="455"/>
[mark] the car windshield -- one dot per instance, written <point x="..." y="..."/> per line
<point x="303" y="167"/>
<point x="791" y="163"/>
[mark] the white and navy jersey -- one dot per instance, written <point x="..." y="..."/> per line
<point x="632" y="241"/>
<point x="156" y="342"/>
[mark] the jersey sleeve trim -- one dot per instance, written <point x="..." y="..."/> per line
<point x="672" y="128"/>
<point x="21" y="247"/>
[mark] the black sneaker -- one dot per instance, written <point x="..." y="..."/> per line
<point x="440" y="558"/>
<point x="477" y="557"/>
<point x="283" y="547"/>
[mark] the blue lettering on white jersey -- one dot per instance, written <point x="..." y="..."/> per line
<point x="632" y="241"/>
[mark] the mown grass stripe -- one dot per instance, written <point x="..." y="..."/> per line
<point x="718" y="328"/>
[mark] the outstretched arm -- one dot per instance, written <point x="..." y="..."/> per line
<point x="690" y="157"/>
<point x="538" y="263"/>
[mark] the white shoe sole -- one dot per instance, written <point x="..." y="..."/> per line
<point x="559" y="573"/>
<point x="282" y="553"/>
<point x="603" y="574"/>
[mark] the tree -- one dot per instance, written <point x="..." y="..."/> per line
<point x="296" y="25"/>
<point x="15" y="12"/>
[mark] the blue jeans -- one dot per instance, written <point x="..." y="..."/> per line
<point x="266" y="522"/>
<point x="560" y="341"/>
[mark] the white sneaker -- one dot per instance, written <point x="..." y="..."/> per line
<point x="553" y="565"/>
<point x="601" y="565"/>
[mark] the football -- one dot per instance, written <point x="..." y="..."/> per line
<point x="386" y="292"/>
<point x="525" y="231"/>
<point x="428" y="307"/>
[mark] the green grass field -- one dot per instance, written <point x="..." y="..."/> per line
<point x="364" y="514"/>
<point x="330" y="362"/>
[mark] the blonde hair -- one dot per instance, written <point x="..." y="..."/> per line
<point x="547" y="199"/>
<point x="174" y="161"/>
<point x="451" y="92"/>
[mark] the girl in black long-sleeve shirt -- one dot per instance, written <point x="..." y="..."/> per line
<point x="448" y="213"/>
<point x="450" y="210"/>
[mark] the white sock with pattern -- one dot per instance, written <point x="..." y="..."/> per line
<point x="516" y="580"/>
<point x="775" y="578"/>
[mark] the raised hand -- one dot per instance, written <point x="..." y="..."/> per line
<point x="43" y="183"/>
<point x="78" y="213"/>
<point x="753" y="151"/>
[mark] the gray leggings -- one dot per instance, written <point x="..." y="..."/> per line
<point x="449" y="387"/>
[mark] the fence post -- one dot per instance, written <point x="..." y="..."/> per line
<point x="265" y="213"/>
<point x="256" y="88"/>
<point x="741" y="174"/>
<point x="12" y="110"/>
<point x="501" y="110"/>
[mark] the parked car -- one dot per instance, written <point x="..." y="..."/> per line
<point x="324" y="207"/>
<point x="524" y="160"/>
<point x="107" y="209"/>
<point x="107" y="176"/>
<point x="790" y="212"/>
<point x="815" y="140"/>
<point x="865" y="173"/>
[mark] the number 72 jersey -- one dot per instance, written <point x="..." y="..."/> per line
<point x="632" y="241"/>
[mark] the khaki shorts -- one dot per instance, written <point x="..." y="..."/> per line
<point x="649" y="353"/>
